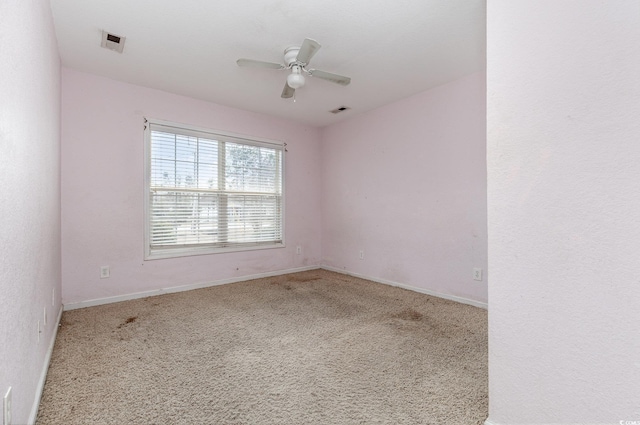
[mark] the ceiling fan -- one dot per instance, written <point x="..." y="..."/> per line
<point x="296" y="58"/>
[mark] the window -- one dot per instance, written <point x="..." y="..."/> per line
<point x="208" y="192"/>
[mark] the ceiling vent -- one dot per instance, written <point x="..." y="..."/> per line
<point x="340" y="109"/>
<point x="112" y="42"/>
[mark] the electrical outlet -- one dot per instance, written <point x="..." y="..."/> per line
<point x="298" y="250"/>
<point x="362" y="254"/>
<point x="7" y="407"/>
<point x="477" y="274"/>
<point x="104" y="272"/>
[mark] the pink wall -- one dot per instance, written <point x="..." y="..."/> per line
<point x="406" y="183"/>
<point x="102" y="190"/>
<point x="564" y="211"/>
<point x="30" y="199"/>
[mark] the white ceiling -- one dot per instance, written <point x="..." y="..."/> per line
<point x="390" y="49"/>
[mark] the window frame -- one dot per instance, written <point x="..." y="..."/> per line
<point x="195" y="131"/>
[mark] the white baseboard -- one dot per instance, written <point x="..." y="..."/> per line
<point x="154" y="292"/>
<point x="144" y="294"/>
<point x="45" y="369"/>
<point x="411" y="288"/>
<point x="488" y="422"/>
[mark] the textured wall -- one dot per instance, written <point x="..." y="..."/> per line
<point x="563" y="211"/>
<point x="406" y="183"/>
<point x="29" y="198"/>
<point x="102" y="190"/>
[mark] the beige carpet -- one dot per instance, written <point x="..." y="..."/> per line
<point x="307" y="348"/>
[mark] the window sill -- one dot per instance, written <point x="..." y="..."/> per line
<point x="160" y="254"/>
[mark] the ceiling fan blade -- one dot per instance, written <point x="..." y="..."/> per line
<point x="334" y="78"/>
<point x="307" y="50"/>
<point x="259" y="64"/>
<point x="287" y="92"/>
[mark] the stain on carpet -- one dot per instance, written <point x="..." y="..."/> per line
<point x="129" y="320"/>
<point x="408" y="314"/>
<point x="301" y="278"/>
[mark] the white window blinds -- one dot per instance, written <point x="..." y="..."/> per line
<point x="210" y="192"/>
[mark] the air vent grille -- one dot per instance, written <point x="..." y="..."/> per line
<point x="112" y="42"/>
<point x="340" y="109"/>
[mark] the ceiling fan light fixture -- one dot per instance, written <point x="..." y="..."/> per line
<point x="295" y="80"/>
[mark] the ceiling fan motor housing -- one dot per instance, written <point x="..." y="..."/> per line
<point x="290" y="55"/>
